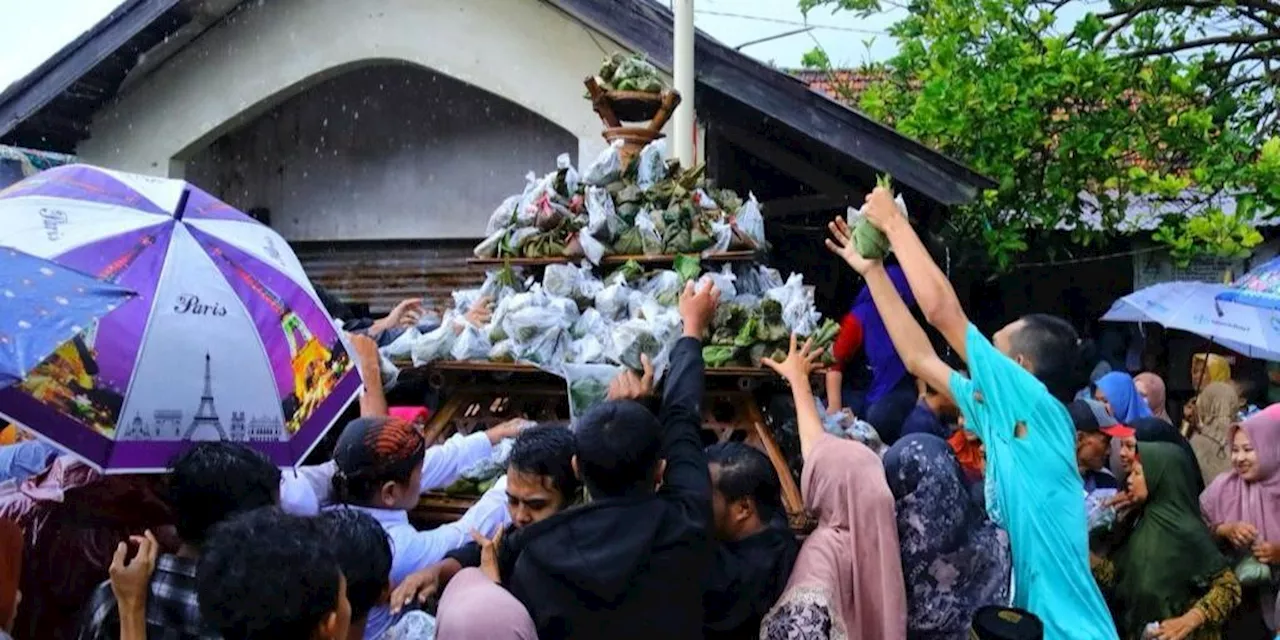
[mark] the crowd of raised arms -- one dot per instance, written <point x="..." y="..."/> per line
<point x="1010" y="497"/>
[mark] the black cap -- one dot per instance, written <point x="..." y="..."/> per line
<point x="1005" y="623"/>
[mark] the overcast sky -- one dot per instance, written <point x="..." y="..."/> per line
<point x="734" y="22"/>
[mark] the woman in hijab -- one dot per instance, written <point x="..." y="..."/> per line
<point x="473" y="607"/>
<point x="1208" y="368"/>
<point x="1117" y="391"/>
<point x="1168" y="570"/>
<point x="1153" y="430"/>
<point x="954" y="559"/>
<point x="847" y="581"/>
<point x="1242" y="506"/>
<point x="1151" y="388"/>
<point x="1217" y="408"/>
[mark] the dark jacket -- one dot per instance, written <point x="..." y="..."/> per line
<point x="747" y="578"/>
<point x="630" y="567"/>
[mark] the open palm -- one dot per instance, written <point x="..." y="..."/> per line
<point x="841" y="243"/>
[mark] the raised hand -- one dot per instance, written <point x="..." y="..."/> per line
<point x="630" y="386"/>
<point x="489" y="554"/>
<point x="799" y="363"/>
<point x="418" y="587"/>
<point x="131" y="581"/>
<point x="697" y="306"/>
<point x="841" y="243"/>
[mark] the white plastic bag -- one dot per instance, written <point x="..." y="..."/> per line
<point x="527" y="209"/>
<point x="402" y="346"/>
<point x="652" y="165"/>
<point x="593" y="249"/>
<point x="650" y="239"/>
<point x="614" y="302"/>
<point x="590" y="323"/>
<point x="537" y="335"/>
<point x="488" y="248"/>
<point x="561" y="280"/>
<point x="588" y="386"/>
<point x="797" y="305"/>
<point x="603" y="222"/>
<point x="632" y="338"/>
<point x="472" y="344"/>
<point x="434" y="345"/>
<point x="390" y="372"/>
<point x="724" y="280"/>
<point x="664" y="287"/>
<point x="750" y="222"/>
<point x="721" y="236"/>
<point x="606" y="168"/>
<point x="586" y="350"/>
<point x="563" y="163"/>
<point x="704" y="200"/>
<point x="504" y="216"/>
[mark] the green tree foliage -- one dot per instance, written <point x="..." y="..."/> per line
<point x="1140" y="101"/>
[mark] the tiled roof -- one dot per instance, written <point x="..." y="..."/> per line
<point x="838" y="84"/>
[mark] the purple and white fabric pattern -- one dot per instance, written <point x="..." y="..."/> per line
<point x="226" y="339"/>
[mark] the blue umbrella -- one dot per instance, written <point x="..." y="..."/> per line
<point x="1258" y="293"/>
<point x="45" y="306"/>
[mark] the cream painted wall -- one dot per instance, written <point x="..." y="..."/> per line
<point x="523" y="50"/>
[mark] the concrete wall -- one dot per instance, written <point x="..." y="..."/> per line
<point x="523" y="50"/>
<point x="391" y="151"/>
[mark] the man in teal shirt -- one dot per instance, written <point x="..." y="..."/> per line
<point x="1013" y="398"/>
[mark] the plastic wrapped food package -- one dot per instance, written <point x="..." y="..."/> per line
<point x="603" y="222"/>
<point x="664" y="287"/>
<point x="472" y="344"/>
<point x="797" y="305"/>
<point x="588" y="386"/>
<point x="1099" y="513"/>
<point x="586" y="350"/>
<point x="607" y="166"/>
<point x="434" y="345"/>
<point x="650" y="240"/>
<point x="870" y="242"/>
<point x="569" y="175"/>
<point x="631" y="338"/>
<point x="651" y="165"/>
<point x="504" y="216"/>
<point x="495" y="464"/>
<point x="724" y="280"/>
<point x="488" y="248"/>
<point x="750" y="222"/>
<point x="614" y="302"/>
<point x="402" y="346"/>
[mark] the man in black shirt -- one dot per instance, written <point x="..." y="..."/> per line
<point x="628" y="564"/>
<point x="756" y="546"/>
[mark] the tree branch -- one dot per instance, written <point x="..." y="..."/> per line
<point x="1237" y="38"/>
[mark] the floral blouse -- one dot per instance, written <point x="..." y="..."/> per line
<point x="1216" y="605"/>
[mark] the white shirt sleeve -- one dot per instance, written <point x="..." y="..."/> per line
<point x="303" y="491"/>
<point x="423" y="548"/>
<point x="445" y="462"/>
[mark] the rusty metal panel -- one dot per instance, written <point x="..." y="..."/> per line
<point x="384" y="272"/>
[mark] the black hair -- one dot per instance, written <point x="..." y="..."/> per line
<point x="371" y="452"/>
<point x="618" y="448"/>
<point x="213" y="481"/>
<point x="745" y="472"/>
<point x="363" y="552"/>
<point x="267" y="575"/>
<point x="1056" y="352"/>
<point x="547" y="451"/>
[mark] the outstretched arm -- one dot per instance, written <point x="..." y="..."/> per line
<point x="796" y="369"/>
<point x="933" y="292"/>
<point x="908" y="336"/>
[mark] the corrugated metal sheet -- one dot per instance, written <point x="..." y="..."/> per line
<point x="384" y="272"/>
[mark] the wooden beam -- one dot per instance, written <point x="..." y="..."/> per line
<point x="783" y="207"/>
<point x="783" y="160"/>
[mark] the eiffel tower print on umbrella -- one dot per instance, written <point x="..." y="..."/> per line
<point x="223" y="314"/>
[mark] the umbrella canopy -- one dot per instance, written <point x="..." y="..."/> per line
<point x="225" y="340"/>
<point x="1258" y="288"/>
<point x="1191" y="307"/>
<point x="46" y="305"/>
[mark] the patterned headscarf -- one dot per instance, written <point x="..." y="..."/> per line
<point x="954" y="559"/>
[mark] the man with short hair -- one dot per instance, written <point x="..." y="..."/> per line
<point x="362" y="550"/>
<point x="539" y="483"/>
<point x="1014" y="399"/>
<point x="756" y="547"/>
<point x="267" y="575"/>
<point x="1094" y="430"/>
<point x="208" y="484"/>
<point x="627" y="564"/>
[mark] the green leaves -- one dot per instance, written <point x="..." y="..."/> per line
<point x="1058" y="112"/>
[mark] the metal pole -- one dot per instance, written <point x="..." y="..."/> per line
<point x="684" y="129"/>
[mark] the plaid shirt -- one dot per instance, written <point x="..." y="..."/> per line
<point x="172" y="610"/>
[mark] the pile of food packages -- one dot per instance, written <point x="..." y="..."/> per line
<point x="650" y="206"/>
<point x="584" y="328"/>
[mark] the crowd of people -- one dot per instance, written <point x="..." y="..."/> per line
<point x="1015" y="499"/>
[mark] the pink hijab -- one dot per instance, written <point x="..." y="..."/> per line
<point x="850" y="565"/>
<point x="474" y="608"/>
<point x="1230" y="499"/>
<point x="1151" y="386"/>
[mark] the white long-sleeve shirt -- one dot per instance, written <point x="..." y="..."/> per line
<point x="412" y="550"/>
<point x="303" y="491"/>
